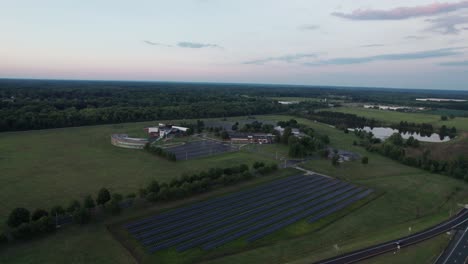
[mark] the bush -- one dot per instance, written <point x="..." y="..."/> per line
<point x="38" y="214"/>
<point x="23" y="231"/>
<point x="117" y="197"/>
<point x="335" y="160"/>
<point x="153" y="187"/>
<point x="114" y="207"/>
<point x="81" y="216"/>
<point x="142" y="192"/>
<point x="152" y="197"/>
<point x="18" y="216"/>
<point x="3" y="239"/>
<point x="89" y="202"/>
<point x="74" y="205"/>
<point x="258" y="165"/>
<point x="365" y="160"/>
<point x="103" y="196"/>
<point x="43" y="225"/>
<point x="57" y="210"/>
<point x="131" y="196"/>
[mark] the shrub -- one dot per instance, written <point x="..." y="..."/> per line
<point x="89" y="202"/>
<point x="117" y="197"/>
<point x="258" y="165"/>
<point x="142" y="192"/>
<point x="3" y="239"/>
<point x="74" y="205"/>
<point x="153" y="186"/>
<point x="152" y="197"/>
<point x="114" y="207"/>
<point x="365" y="160"/>
<point x="18" y="216"/>
<point x="81" y="216"/>
<point x="23" y="231"/>
<point x="103" y="196"/>
<point x="43" y="225"/>
<point x="57" y="210"/>
<point x="335" y="160"/>
<point x="38" y="214"/>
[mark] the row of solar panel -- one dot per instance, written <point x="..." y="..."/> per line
<point x="264" y="210"/>
<point x="201" y="228"/>
<point x="229" y="209"/>
<point x="185" y="211"/>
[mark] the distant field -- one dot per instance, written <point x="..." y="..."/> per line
<point x="47" y="167"/>
<point x="407" y="196"/>
<point x="295" y="99"/>
<point x="461" y="123"/>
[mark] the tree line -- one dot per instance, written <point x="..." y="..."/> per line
<point x="394" y="148"/>
<point x="24" y="225"/>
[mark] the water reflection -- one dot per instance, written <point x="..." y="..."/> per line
<point x="385" y="132"/>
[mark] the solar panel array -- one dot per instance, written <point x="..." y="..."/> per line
<point x="202" y="148"/>
<point x="253" y="213"/>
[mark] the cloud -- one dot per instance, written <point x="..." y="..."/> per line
<point x="454" y="63"/>
<point x="372" y="45"/>
<point x="403" y="12"/>
<point x="309" y="27"/>
<point x="156" y="44"/>
<point x="390" y="57"/>
<point x="447" y="24"/>
<point x="193" y="45"/>
<point x="415" y="37"/>
<point x="287" y="58"/>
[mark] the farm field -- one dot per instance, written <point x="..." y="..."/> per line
<point x="405" y="197"/>
<point x="461" y="123"/>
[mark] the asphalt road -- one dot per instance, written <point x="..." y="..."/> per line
<point x="390" y="246"/>
<point x="459" y="253"/>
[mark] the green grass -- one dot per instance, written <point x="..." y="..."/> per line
<point x="76" y="244"/>
<point x="461" y="123"/>
<point x="405" y="196"/>
<point x="42" y="168"/>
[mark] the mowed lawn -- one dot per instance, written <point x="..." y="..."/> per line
<point x="76" y="244"/>
<point x="48" y="167"/>
<point x="461" y="123"/>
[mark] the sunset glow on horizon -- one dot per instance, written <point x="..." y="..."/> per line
<point x="407" y="44"/>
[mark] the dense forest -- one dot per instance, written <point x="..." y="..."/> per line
<point x="39" y="104"/>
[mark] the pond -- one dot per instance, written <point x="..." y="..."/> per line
<point x="385" y="132"/>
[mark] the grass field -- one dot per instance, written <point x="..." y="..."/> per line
<point x="461" y="123"/>
<point x="407" y="196"/>
<point x="47" y="167"/>
<point x="77" y="244"/>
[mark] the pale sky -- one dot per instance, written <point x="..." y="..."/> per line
<point x="403" y="44"/>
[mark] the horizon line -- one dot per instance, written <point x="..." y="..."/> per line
<point x="234" y="83"/>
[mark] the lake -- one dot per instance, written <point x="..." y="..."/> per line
<point x="385" y="132"/>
